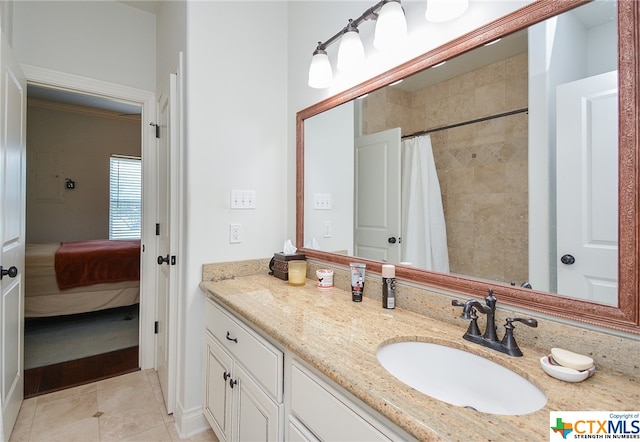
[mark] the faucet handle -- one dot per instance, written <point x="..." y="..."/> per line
<point x="457" y="303"/>
<point x="526" y="321"/>
<point x="509" y="341"/>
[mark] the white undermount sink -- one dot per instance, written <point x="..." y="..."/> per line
<point x="461" y="378"/>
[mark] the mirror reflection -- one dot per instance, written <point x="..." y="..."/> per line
<point x="500" y="164"/>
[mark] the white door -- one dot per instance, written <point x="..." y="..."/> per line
<point x="377" y="196"/>
<point x="12" y="231"/>
<point x="587" y="188"/>
<point x="163" y="275"/>
<point x="167" y="234"/>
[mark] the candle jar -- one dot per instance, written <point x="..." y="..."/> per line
<point x="297" y="272"/>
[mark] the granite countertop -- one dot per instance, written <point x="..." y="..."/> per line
<point x="340" y="338"/>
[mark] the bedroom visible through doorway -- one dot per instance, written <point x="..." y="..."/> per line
<point x="93" y="324"/>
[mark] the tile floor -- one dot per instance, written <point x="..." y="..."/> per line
<point x="124" y="408"/>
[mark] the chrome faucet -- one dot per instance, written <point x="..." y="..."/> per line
<point x="490" y="339"/>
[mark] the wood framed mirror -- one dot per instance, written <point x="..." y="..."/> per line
<point x="625" y="316"/>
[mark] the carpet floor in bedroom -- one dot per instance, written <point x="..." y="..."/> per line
<point x="73" y="350"/>
<point x="53" y="340"/>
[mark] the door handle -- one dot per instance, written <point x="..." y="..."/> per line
<point x="567" y="259"/>
<point x="163" y="259"/>
<point x="11" y="272"/>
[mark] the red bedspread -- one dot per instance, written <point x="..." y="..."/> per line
<point x="92" y="262"/>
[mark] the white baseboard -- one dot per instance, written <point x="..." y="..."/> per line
<point x="189" y="422"/>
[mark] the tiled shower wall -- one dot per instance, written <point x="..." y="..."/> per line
<point x="482" y="167"/>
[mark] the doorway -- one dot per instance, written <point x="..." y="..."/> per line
<point x="131" y="107"/>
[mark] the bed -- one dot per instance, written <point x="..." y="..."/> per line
<point x="80" y="277"/>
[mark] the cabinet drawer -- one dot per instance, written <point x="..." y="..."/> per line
<point x="324" y="414"/>
<point x="263" y="361"/>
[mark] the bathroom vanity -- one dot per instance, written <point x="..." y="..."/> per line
<point x="304" y="367"/>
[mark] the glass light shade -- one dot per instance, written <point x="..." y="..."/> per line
<point x="320" y="72"/>
<point x="444" y="10"/>
<point x="391" y="26"/>
<point x="351" y="51"/>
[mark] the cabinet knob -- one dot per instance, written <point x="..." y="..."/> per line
<point x="226" y="375"/>
<point x="232" y="382"/>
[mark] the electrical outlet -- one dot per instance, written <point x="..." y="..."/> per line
<point x="243" y="199"/>
<point x="234" y="233"/>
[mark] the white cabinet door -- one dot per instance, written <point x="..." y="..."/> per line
<point x="258" y="417"/>
<point x="218" y="394"/>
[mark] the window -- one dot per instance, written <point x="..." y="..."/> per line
<point x="125" y="197"/>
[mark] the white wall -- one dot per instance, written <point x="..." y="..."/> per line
<point x="74" y="143"/>
<point x="103" y="40"/>
<point x="236" y="138"/>
<point x="171" y="37"/>
<point x="328" y="169"/>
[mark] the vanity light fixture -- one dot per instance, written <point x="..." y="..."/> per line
<point x="439" y="11"/>
<point x="391" y="28"/>
<point x="320" y="72"/>
<point x="351" y="50"/>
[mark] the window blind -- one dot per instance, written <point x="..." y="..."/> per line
<point x="125" y="196"/>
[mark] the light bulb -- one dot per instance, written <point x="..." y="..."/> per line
<point x="391" y="26"/>
<point x="351" y="51"/>
<point x="320" y="72"/>
<point x="444" y="10"/>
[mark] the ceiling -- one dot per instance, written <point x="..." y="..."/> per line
<point x="152" y="6"/>
<point x="78" y="99"/>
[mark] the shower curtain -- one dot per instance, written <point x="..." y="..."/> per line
<point x="424" y="234"/>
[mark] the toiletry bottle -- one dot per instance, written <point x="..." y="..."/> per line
<point x="388" y="286"/>
<point x="357" y="280"/>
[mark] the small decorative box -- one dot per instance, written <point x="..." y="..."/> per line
<point x="280" y="267"/>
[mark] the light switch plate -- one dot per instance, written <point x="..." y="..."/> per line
<point x="243" y="199"/>
<point x="322" y="201"/>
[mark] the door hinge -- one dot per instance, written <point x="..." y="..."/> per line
<point x="157" y="229"/>
<point x="157" y="126"/>
<point x="155" y="327"/>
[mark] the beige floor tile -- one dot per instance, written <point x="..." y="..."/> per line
<point x="156" y="434"/>
<point x="62" y="394"/>
<point x="51" y="415"/>
<point x="135" y="378"/>
<point x="81" y="430"/>
<point x="126" y="408"/>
